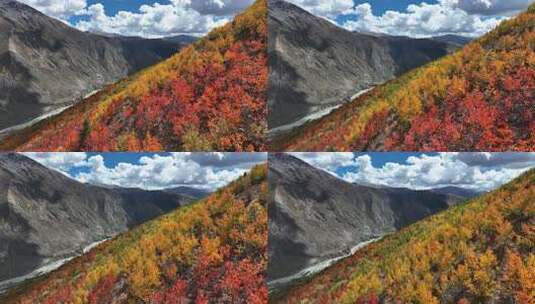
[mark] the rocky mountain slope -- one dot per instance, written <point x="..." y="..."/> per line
<point x="211" y="96"/>
<point x="45" y="64"/>
<point x="480" y="98"/>
<point x="481" y="251"/>
<point x="46" y="216"/>
<point x="315" y="216"/>
<point x="315" y="64"/>
<point x="212" y="251"/>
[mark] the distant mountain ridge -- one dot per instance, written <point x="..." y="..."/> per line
<point x="315" y="64"/>
<point x="314" y="216"/>
<point x="46" y="64"/>
<point x="46" y="216"/>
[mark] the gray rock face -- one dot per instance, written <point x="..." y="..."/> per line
<point x="45" y="215"/>
<point x="315" y="216"/>
<point x="45" y="64"/>
<point x="315" y="64"/>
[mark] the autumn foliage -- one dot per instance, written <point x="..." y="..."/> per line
<point x="213" y="251"/>
<point x="481" y="98"/>
<point x="482" y="251"/>
<point x="209" y="96"/>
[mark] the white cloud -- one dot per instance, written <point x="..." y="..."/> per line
<point x="61" y="9"/>
<point x="202" y="170"/>
<point x="461" y="17"/>
<point x="152" y="21"/>
<point x="477" y="171"/>
<point x="420" y="21"/>
<point x="59" y="161"/>
<point x="326" y="8"/>
<point x="507" y="159"/>
<point x="326" y="160"/>
<point x="488" y="7"/>
<point x="216" y="7"/>
<point x="225" y="160"/>
<point x="194" y="17"/>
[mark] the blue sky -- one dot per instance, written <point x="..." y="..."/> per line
<point x="150" y="18"/>
<point x="112" y="160"/>
<point x="381" y="6"/>
<point x="416" y="18"/>
<point x="477" y="171"/>
<point x="114" y="6"/>
<point x="152" y="170"/>
<point x="147" y="18"/>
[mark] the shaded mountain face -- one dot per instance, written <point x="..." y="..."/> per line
<point x="45" y="64"/>
<point x="45" y="216"/>
<point x="181" y="39"/>
<point x="189" y="192"/>
<point x="315" y="64"/>
<point x="454" y="40"/>
<point x="315" y="216"/>
<point x="461" y="192"/>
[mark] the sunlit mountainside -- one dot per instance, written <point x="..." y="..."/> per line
<point x="480" y="98"/>
<point x="481" y="251"/>
<point x="212" y="251"/>
<point x="209" y="96"/>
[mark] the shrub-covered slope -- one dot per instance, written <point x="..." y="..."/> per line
<point x="209" y="96"/>
<point x="213" y="251"/>
<point x="478" y="252"/>
<point x="479" y="98"/>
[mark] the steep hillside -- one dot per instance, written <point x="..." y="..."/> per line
<point x="45" y="64"/>
<point x="478" y="99"/>
<point x="213" y="251"/>
<point x="478" y="252"/>
<point x="46" y="216"/>
<point x="314" y="216"/>
<point x="314" y="64"/>
<point x="210" y="96"/>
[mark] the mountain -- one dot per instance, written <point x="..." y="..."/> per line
<point x="46" y="64"/>
<point x="189" y="191"/>
<point x="209" y="96"/>
<point x="461" y="192"/>
<point x="480" y="98"/>
<point x="480" y="251"/>
<point x="46" y="216"/>
<point x="315" y="216"/>
<point x="181" y="39"/>
<point x="315" y="65"/>
<point x="212" y="251"/>
<point x="455" y="40"/>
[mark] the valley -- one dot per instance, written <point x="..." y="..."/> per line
<point x="477" y="251"/>
<point x="212" y="249"/>
<point x="48" y="219"/>
<point x="314" y="63"/>
<point x="317" y="113"/>
<point x="46" y="64"/>
<point x="317" y="219"/>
